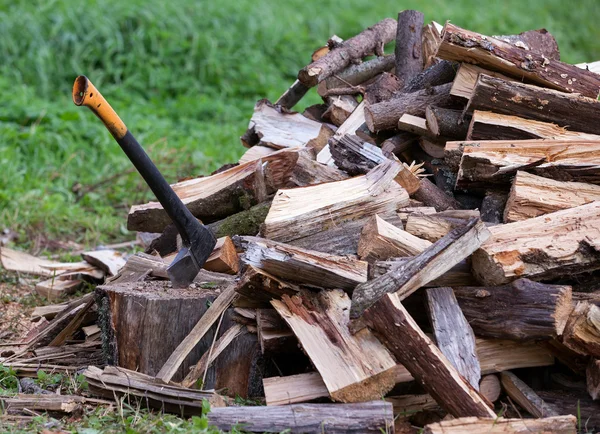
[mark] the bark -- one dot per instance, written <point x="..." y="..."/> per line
<point x="523" y="395"/>
<point x="447" y="123"/>
<point x="357" y="74"/>
<point x="431" y="195"/>
<point x="492" y="207"/>
<point x="440" y="73"/>
<point x="409" y="60"/>
<point x="541" y="41"/>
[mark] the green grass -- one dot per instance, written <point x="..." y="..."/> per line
<point x="184" y="75"/>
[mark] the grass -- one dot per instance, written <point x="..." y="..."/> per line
<point x="184" y="76"/>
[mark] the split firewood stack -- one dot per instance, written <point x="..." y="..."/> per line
<point x="422" y="249"/>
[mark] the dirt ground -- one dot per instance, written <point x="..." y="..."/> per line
<point x="17" y="301"/>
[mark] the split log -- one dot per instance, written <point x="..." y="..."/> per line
<point x="394" y="325"/>
<point x="522" y="310"/>
<point x="489" y="387"/>
<point x="318" y="207"/>
<point x="447" y="123"/>
<point x="354" y="367"/>
<point x="384" y="115"/>
<point x="430" y="43"/>
<point x="532" y="196"/>
<point x="114" y="381"/>
<point x="366" y="417"/>
<point x="380" y="240"/>
<point x="140" y="332"/>
<point x="256" y="152"/>
<point x="304" y="266"/>
<point x="434" y="226"/>
<point x="464" y="45"/>
<point x="368" y="41"/>
<point x="495" y="162"/>
<point x="459" y="275"/>
<point x="398" y="144"/>
<point x="435" y="75"/>
<point x="409" y="61"/>
<point x="431" y="195"/>
<point x="274" y="336"/>
<point x="109" y="261"/>
<point x="494" y="126"/>
<point x="466" y="78"/>
<point x="573" y="111"/>
<point x="434" y="149"/>
<point x="357" y="74"/>
<point x="453" y="334"/>
<point x="494" y="355"/>
<point x="352" y="124"/>
<point x="557" y="424"/>
<point x="416" y="125"/>
<point x="258" y="285"/>
<point x="340" y="108"/>
<point x="223" y="258"/>
<point x="405" y="213"/>
<point x="492" y="206"/>
<point x="355" y="156"/>
<point x="46" y="403"/>
<point x="21" y="262"/>
<point x="582" y="331"/>
<point x="277" y="127"/>
<point x="592" y="377"/>
<point x="542" y="247"/>
<point x="68" y="283"/>
<point x="405" y="406"/>
<point x="524" y="395"/>
<point x="294" y="388"/>
<point x="404" y="279"/>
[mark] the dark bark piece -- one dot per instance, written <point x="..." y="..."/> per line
<point x="573" y="111"/>
<point x="398" y="144"/>
<point x="409" y="61"/>
<point x="522" y="310"/>
<point x="459" y="275"/>
<point x="274" y="336"/>
<point x="592" y="377"/>
<point x="453" y="334"/>
<point x="460" y="44"/>
<point x="541" y="248"/>
<point x="524" y="395"/>
<point x="448" y="123"/>
<point x="292" y="95"/>
<point x="440" y="73"/>
<point x="541" y="41"/>
<point x="149" y="392"/>
<point x="404" y="279"/>
<point x="261" y="286"/>
<point x="366" y="417"/>
<point x="468" y="425"/>
<point x="492" y="207"/>
<point x="394" y="325"/>
<point x="381" y="88"/>
<point x="384" y="115"/>
<point x="354" y="368"/>
<point x="357" y="74"/>
<point x="368" y="41"/>
<point x="574" y="403"/>
<point x="242" y="223"/>
<point x="431" y="195"/>
<point x="355" y="156"/>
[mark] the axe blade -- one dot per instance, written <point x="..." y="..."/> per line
<point x="183" y="269"/>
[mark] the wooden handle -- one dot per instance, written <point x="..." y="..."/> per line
<point x="86" y="94"/>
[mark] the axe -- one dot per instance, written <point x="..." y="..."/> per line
<point x="198" y="241"/>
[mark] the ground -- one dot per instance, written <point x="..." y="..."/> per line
<point x="184" y="76"/>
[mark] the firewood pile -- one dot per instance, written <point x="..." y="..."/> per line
<point x="419" y="250"/>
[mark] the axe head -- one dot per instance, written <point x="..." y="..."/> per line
<point x="191" y="257"/>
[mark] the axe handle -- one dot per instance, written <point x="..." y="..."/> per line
<point x="86" y="94"/>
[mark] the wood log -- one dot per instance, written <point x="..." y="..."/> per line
<point x="494" y="126"/>
<point x="405" y="406"/>
<point x="542" y="247"/>
<point x="109" y="261"/>
<point x="492" y="206"/>
<point x="522" y="310"/>
<point x="274" y="336"/>
<point x="404" y="279"/>
<point x="354" y="155"/>
<point x="430" y="43"/>
<point x="463" y="425"/>
<point x="46" y="403"/>
<point x="294" y="388"/>
<point x="573" y="403"/>
<point x="258" y="285"/>
<point x="384" y="115"/>
<point x="340" y="108"/>
<point x="21" y="262"/>
<point x="245" y="222"/>
<point x="224" y="257"/>
<point x="405" y="213"/>
<point x="352" y="124"/>
<point x="366" y="417"/>
<point x="490" y="388"/>
<point x="115" y="381"/>
<point x="524" y="395"/>
<point x="255" y="152"/>
<point x="432" y="227"/>
<point x="356" y="74"/>
<point x="409" y="61"/>
<point x="380" y="240"/>
<point x="466" y="78"/>
<point x="453" y="334"/>
<point x="582" y="331"/>
<point x="68" y="283"/>
<point x="416" y="125"/>
<point x="394" y="325"/>
<point x="494" y="355"/>
<point x="304" y="266"/>
<point x="573" y="111"/>
<point x="278" y="128"/>
<point x="447" y="123"/>
<point x="540" y="41"/>
<point x="338" y="202"/>
<point x="435" y="75"/>
<point x="532" y="196"/>
<point x="495" y="162"/>
<point x="463" y="45"/>
<point x="431" y="195"/>
<point x="292" y="95"/>
<point x="459" y="275"/>
<point x="381" y="88"/>
<point x="354" y="367"/>
<point x="368" y="41"/>
<point x="592" y="378"/>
